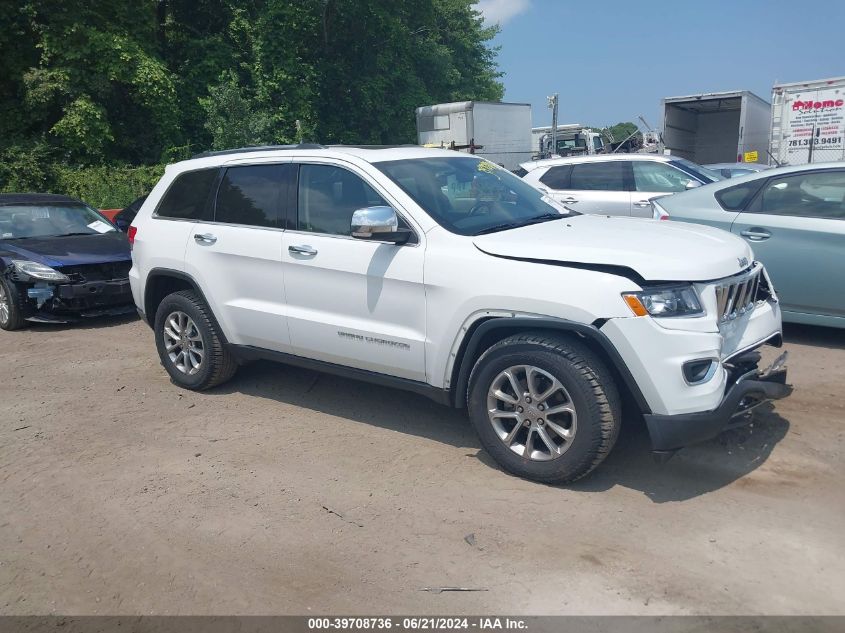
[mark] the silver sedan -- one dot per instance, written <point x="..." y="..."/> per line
<point x="794" y="220"/>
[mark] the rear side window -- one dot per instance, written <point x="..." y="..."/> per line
<point x="557" y="177"/>
<point x="736" y="198"/>
<point x="605" y="176"/>
<point x="187" y="197"/>
<point x="251" y="195"/>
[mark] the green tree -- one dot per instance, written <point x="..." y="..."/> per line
<point x="230" y="117"/>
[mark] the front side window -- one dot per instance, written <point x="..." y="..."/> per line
<point x="47" y="220"/>
<point x="810" y="195"/>
<point x="187" y="197"/>
<point x="251" y="195"/>
<point x="470" y="196"/>
<point x="603" y="176"/>
<point x="659" y="177"/>
<point x="328" y="196"/>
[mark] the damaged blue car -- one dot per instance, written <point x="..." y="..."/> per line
<point x="60" y="260"/>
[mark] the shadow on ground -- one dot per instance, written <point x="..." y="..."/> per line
<point x="88" y="323"/>
<point x="692" y="472"/>
<point x="813" y="335"/>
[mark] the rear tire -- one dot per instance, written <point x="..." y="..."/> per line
<point x="11" y="306"/>
<point x="549" y="394"/>
<point x="189" y="343"/>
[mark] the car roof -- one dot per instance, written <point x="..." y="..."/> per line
<point x="36" y="198"/>
<point x="569" y="160"/>
<point x="754" y="166"/>
<point x="367" y="153"/>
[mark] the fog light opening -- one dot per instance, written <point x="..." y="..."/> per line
<point x="697" y="372"/>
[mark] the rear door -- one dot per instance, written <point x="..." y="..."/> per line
<point x="601" y="187"/>
<point x="652" y="179"/>
<point x="237" y="257"/>
<point x="352" y="302"/>
<point x="796" y="227"/>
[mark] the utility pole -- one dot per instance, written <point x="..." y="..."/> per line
<point x="553" y="101"/>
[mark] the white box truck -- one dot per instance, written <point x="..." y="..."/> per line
<point x="717" y="127"/>
<point x="808" y="121"/>
<point x="500" y="132"/>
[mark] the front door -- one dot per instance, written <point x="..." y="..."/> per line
<point x="351" y="302"/>
<point x="796" y="227"/>
<point x="653" y="179"/>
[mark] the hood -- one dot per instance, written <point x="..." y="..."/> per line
<point x="655" y="250"/>
<point x="70" y="250"/>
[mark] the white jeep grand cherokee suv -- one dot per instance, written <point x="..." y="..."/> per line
<point x="443" y="274"/>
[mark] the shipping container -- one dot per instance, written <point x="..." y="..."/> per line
<point x="500" y="132"/>
<point x="808" y="122"/>
<point x="717" y="127"/>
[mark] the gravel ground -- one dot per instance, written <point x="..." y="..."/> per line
<point x="287" y="491"/>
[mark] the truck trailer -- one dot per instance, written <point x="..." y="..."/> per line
<point x="808" y="122"/>
<point x="500" y="132"/>
<point x="717" y="127"/>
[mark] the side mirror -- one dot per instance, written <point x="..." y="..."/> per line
<point x="693" y="184"/>
<point x="379" y="224"/>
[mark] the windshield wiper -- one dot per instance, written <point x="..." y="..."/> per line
<point x="515" y="225"/>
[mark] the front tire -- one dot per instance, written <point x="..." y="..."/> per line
<point x="544" y="406"/>
<point x="189" y="343"/>
<point x="11" y="306"/>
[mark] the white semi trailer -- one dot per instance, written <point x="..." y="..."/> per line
<point x="500" y="132"/>
<point x="717" y="127"/>
<point x="808" y="122"/>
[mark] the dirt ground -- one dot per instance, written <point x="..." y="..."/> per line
<point x="291" y="492"/>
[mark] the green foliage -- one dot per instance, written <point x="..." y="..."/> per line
<point x="621" y="131"/>
<point x="89" y="83"/>
<point x="230" y="117"/>
<point x="107" y="187"/>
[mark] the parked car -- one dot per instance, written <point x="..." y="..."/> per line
<point x="59" y="260"/>
<point x="732" y="170"/>
<point x="794" y="217"/>
<point x="446" y="275"/>
<point x="616" y="184"/>
<point x="124" y="217"/>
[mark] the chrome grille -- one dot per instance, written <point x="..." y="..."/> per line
<point x="737" y="295"/>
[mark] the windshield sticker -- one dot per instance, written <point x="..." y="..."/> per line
<point x="100" y="226"/>
<point x="487" y="166"/>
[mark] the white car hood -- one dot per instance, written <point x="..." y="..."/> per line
<point x="655" y="250"/>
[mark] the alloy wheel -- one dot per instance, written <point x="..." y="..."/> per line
<point x="183" y="343"/>
<point x="531" y="412"/>
<point x="5" y="309"/>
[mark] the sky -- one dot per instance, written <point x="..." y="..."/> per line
<point x="612" y="60"/>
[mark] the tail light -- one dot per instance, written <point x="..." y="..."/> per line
<point x="658" y="212"/>
<point x="130" y="234"/>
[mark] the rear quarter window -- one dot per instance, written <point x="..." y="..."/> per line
<point x="187" y="197"/>
<point x="736" y="198"/>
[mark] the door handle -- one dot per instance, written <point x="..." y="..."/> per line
<point x="302" y="250"/>
<point x="642" y="203"/>
<point x="205" y="238"/>
<point x="756" y="234"/>
<point x="570" y="200"/>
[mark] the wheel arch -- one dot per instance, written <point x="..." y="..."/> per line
<point x="488" y="331"/>
<point x="164" y="281"/>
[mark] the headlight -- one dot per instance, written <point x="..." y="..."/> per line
<point x="669" y="301"/>
<point x="38" y="271"/>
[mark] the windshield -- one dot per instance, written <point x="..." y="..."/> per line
<point x="470" y="196"/>
<point x="41" y="220"/>
<point x="694" y="169"/>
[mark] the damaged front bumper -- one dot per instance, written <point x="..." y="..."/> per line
<point x="62" y="303"/>
<point x="751" y="389"/>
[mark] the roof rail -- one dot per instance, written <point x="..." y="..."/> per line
<point x="258" y="148"/>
